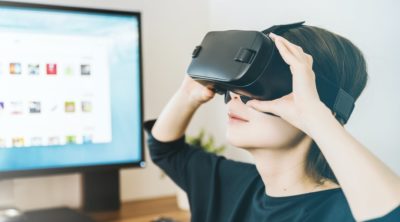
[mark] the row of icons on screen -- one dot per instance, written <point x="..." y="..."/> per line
<point x="17" y="68"/>
<point x="19" y="107"/>
<point x="39" y="141"/>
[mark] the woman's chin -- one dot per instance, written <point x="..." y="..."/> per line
<point x="234" y="139"/>
<point x="241" y="140"/>
<point x="249" y="141"/>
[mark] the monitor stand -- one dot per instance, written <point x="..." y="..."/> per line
<point x="101" y="190"/>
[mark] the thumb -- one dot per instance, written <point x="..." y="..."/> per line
<point x="207" y="94"/>
<point x="264" y="106"/>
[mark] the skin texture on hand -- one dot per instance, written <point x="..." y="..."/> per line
<point x="303" y="102"/>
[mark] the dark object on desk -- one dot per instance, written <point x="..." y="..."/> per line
<point x="101" y="190"/>
<point x="51" y="215"/>
<point x="164" y="219"/>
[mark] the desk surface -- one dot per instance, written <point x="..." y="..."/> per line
<point x="144" y="211"/>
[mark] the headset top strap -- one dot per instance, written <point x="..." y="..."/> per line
<point x="279" y="29"/>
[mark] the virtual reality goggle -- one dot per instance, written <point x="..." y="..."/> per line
<point x="249" y="64"/>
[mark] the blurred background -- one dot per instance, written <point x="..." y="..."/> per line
<point x="170" y="31"/>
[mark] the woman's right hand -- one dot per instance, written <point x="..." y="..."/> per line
<point x="195" y="92"/>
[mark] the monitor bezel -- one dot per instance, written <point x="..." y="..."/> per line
<point x="85" y="168"/>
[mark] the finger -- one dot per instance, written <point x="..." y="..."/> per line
<point x="280" y="106"/>
<point x="212" y="89"/>
<point x="295" y="49"/>
<point x="286" y="54"/>
<point x="264" y="106"/>
<point x="208" y="94"/>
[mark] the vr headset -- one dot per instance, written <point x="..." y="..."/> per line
<point x="249" y="64"/>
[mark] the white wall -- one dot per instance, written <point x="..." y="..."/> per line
<point x="371" y="25"/>
<point x="171" y="29"/>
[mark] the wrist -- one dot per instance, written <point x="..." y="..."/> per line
<point x="174" y="118"/>
<point x="319" y="119"/>
<point x="187" y="100"/>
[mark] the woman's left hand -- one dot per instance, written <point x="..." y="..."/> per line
<point x="303" y="103"/>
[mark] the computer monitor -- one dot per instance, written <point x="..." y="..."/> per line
<point x="70" y="89"/>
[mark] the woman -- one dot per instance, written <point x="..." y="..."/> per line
<point x="307" y="166"/>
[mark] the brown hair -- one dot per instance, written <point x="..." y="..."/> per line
<point x="340" y="61"/>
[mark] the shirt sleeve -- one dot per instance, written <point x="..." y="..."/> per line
<point x="194" y="170"/>
<point x="178" y="159"/>
<point x="392" y="216"/>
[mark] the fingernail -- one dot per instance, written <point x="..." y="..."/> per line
<point x="272" y="35"/>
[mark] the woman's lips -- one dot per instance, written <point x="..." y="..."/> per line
<point x="236" y="118"/>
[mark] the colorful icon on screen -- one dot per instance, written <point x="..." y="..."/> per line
<point x="18" y="142"/>
<point x="69" y="107"/>
<point x="34" y="107"/>
<point x="86" y="106"/>
<point x="15" y="68"/>
<point x="16" y="107"/>
<point x="70" y="139"/>
<point x="85" y="69"/>
<point x="33" y="69"/>
<point x="51" y="69"/>
<point x="36" y="141"/>
<point x="68" y="70"/>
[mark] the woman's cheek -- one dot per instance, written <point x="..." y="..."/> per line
<point x="262" y="133"/>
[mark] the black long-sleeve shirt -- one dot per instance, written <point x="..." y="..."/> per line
<point x="223" y="190"/>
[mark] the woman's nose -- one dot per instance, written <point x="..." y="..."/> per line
<point x="229" y="95"/>
<point x="234" y="95"/>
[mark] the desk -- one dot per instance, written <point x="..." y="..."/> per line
<point x="144" y="211"/>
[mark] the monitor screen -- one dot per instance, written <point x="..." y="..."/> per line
<point x="70" y="88"/>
